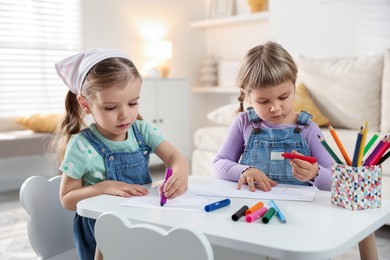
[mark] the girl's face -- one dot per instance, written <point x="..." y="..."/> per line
<point x="115" y="109"/>
<point x="274" y="103"/>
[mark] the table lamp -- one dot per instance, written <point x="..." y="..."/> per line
<point x="160" y="52"/>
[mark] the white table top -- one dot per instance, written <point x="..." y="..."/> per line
<point x="314" y="230"/>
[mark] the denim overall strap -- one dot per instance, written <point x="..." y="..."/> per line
<point x="129" y="167"/>
<point x="264" y="148"/>
<point x="252" y="116"/>
<point x="304" y="118"/>
<point x="99" y="146"/>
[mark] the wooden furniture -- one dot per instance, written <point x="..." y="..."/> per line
<point x="49" y="225"/>
<point x="314" y="230"/>
<point x="118" y="238"/>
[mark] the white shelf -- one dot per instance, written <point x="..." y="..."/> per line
<point x="215" y="89"/>
<point x="253" y="17"/>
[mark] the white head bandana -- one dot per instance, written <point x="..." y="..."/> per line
<point x="73" y="70"/>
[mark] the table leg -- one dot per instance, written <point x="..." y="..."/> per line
<point x="367" y="248"/>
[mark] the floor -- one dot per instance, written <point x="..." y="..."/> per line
<point x="9" y="201"/>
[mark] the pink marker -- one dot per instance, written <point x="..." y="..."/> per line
<point x="256" y="215"/>
<point x="168" y="173"/>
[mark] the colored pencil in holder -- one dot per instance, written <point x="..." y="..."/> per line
<point x="330" y="151"/>
<point x="339" y="144"/>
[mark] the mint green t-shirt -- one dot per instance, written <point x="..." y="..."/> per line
<point x="83" y="161"/>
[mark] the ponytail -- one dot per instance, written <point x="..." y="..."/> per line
<point x="72" y="123"/>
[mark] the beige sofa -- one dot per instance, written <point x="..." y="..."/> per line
<point x="348" y="91"/>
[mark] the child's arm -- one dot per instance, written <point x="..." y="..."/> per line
<point x="177" y="184"/>
<point x="226" y="164"/>
<point x="72" y="191"/>
<point x="323" y="180"/>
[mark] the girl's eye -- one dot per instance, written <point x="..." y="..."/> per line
<point x="283" y="98"/>
<point x="133" y="104"/>
<point x="262" y="102"/>
<point x="109" y="108"/>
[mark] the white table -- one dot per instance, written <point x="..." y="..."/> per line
<point x="314" y="230"/>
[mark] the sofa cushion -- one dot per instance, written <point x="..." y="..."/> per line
<point x="385" y="118"/>
<point x="210" y="138"/>
<point x="40" y="123"/>
<point x="346" y="90"/>
<point x="223" y="115"/>
<point x="303" y="101"/>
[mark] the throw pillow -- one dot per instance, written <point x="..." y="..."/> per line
<point x="223" y="115"/>
<point x="40" y="123"/>
<point x="303" y="101"/>
<point x="385" y="118"/>
<point x="346" y="90"/>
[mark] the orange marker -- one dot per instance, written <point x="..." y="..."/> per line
<point x="339" y="144"/>
<point x="255" y="207"/>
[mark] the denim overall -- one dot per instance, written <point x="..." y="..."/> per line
<point x="129" y="167"/>
<point x="265" y="146"/>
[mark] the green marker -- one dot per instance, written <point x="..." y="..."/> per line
<point x="268" y="215"/>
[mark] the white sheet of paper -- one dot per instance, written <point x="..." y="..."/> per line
<point x="224" y="188"/>
<point x="200" y="195"/>
<point x="187" y="202"/>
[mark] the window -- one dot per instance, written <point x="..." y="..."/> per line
<point x="34" y="34"/>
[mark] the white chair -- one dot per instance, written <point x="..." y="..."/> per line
<point x="49" y="225"/>
<point x="118" y="239"/>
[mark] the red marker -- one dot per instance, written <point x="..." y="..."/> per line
<point x="309" y="159"/>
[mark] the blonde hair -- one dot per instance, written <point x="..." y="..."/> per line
<point x="265" y="66"/>
<point x="108" y="73"/>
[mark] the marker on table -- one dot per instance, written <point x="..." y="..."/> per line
<point x="168" y="173"/>
<point x="267" y="217"/>
<point x="255" y="207"/>
<point x="241" y="212"/>
<point x="217" y="205"/>
<point x="279" y="214"/>
<point x="255" y="215"/>
<point x="309" y="159"/>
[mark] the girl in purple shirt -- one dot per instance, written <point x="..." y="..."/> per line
<point x="251" y="152"/>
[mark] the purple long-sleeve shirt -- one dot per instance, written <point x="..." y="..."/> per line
<point x="226" y="164"/>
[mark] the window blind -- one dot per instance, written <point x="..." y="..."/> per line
<point x="34" y="34"/>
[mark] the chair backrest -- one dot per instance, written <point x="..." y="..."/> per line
<point x="49" y="225"/>
<point x="118" y="239"/>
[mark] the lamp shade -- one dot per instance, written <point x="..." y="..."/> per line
<point x="158" y="50"/>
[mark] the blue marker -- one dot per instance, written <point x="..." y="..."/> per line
<point x="279" y="214"/>
<point x="217" y="205"/>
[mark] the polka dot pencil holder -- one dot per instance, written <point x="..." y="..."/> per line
<point x="356" y="188"/>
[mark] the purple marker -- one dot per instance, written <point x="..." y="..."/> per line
<point x="168" y="173"/>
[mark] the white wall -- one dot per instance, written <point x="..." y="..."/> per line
<point x="331" y="28"/>
<point x="315" y="28"/>
<point x="115" y="24"/>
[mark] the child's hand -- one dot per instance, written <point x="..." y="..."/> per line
<point x="302" y="170"/>
<point x="122" y="189"/>
<point x="176" y="185"/>
<point x="255" y="177"/>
